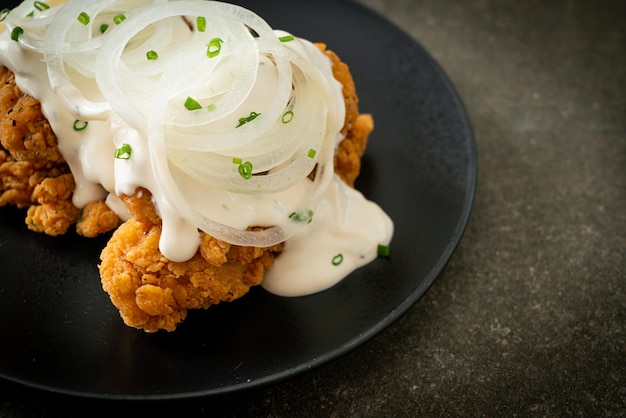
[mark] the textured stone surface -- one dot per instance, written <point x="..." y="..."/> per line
<point x="529" y="317"/>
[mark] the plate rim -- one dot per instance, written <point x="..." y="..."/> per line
<point x="389" y="319"/>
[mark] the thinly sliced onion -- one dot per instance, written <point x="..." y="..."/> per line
<point x="70" y="50"/>
<point x="34" y="23"/>
<point x="273" y="105"/>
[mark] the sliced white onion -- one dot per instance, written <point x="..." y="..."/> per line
<point x="33" y="22"/>
<point x="70" y="49"/>
<point x="272" y="105"/>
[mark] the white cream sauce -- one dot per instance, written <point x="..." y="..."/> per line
<point x="344" y="222"/>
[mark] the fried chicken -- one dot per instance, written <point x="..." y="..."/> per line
<point x="152" y="292"/>
<point x="25" y="132"/>
<point x="357" y="127"/>
<point x="33" y="173"/>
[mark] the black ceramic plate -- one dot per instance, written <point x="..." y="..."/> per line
<point x="58" y="330"/>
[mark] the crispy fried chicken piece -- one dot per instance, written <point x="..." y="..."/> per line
<point x="357" y="127"/>
<point x="33" y="173"/>
<point x="351" y="149"/>
<point x="55" y="212"/>
<point x="18" y="179"/>
<point x="24" y="130"/>
<point x="152" y="292"/>
<point x="96" y="218"/>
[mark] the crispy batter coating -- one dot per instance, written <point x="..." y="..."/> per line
<point x="357" y="127"/>
<point x="351" y="149"/>
<point x="153" y="293"/>
<point x="24" y="130"/>
<point x="96" y="218"/>
<point x="33" y="173"/>
<point x="18" y="179"/>
<point x="55" y="212"/>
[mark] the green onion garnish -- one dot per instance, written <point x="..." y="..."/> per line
<point x="84" y="18"/>
<point x="31" y="14"/>
<point x="40" y="5"/>
<point x="287" y="116"/>
<point x="243" y="121"/>
<point x="338" y="259"/>
<point x="383" y="250"/>
<point x="311" y="154"/>
<point x="214" y="47"/>
<point x="237" y="160"/>
<point x="4" y="13"/>
<point x="245" y="170"/>
<point x="302" y="217"/>
<point x="123" y="152"/>
<point x="103" y="27"/>
<point x="254" y="33"/>
<point x="201" y="23"/>
<point x="191" y="104"/>
<point x="152" y="55"/>
<point x="286" y="38"/>
<point x="119" y="18"/>
<point x="80" y="125"/>
<point x="17" y="33"/>
<point x="211" y="107"/>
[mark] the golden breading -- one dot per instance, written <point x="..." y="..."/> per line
<point x="96" y="218"/>
<point x="351" y="149"/>
<point x="33" y="173"/>
<point x="24" y="130"/>
<point x="18" y="179"/>
<point x="152" y="292"/>
<point x="357" y="127"/>
<point x="55" y="212"/>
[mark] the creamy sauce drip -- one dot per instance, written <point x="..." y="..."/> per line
<point x="344" y="222"/>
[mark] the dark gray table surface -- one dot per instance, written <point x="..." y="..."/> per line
<point x="529" y="316"/>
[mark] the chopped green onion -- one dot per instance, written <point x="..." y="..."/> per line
<point x="4" y="13"/>
<point x="211" y="107"/>
<point x="311" y="153"/>
<point x="237" y="160"/>
<point x="254" y="33"/>
<point x="152" y="55"/>
<point x="243" y="121"/>
<point x="80" y="125"/>
<point x="84" y="18"/>
<point x="302" y="216"/>
<point x="119" y="18"/>
<point x="123" y="152"/>
<point x="214" y="47"/>
<point x="201" y="23"/>
<point x="17" y="33"/>
<point x="40" y="5"/>
<point x="383" y="250"/>
<point x="287" y="116"/>
<point x="103" y="27"/>
<point x="338" y="259"/>
<point x="191" y="104"/>
<point x="245" y="170"/>
<point x="31" y="14"/>
<point x="286" y="38"/>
